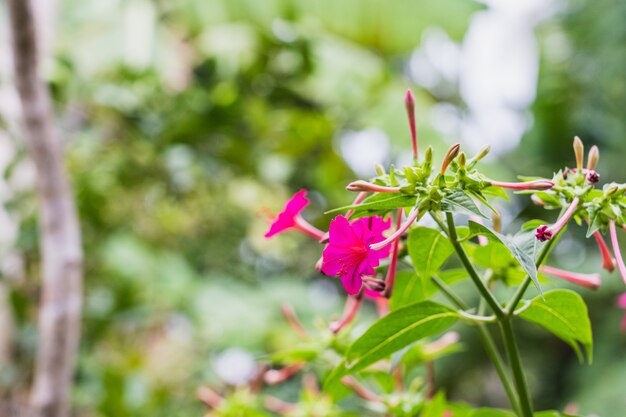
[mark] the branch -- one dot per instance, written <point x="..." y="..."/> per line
<point x="60" y="246"/>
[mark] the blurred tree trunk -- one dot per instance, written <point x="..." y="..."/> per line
<point x="61" y="252"/>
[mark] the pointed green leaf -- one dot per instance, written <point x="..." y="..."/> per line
<point x="411" y="288"/>
<point x="520" y="253"/>
<point x="397" y="330"/>
<point x="378" y="203"/>
<point x="457" y="200"/>
<point x="563" y="313"/>
<point x="428" y="249"/>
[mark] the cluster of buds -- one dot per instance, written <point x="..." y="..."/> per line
<point x="575" y="194"/>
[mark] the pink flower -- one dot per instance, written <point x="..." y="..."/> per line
<point x="607" y="261"/>
<point x="618" y="254"/>
<point x="529" y="185"/>
<point x="348" y="253"/>
<point x="290" y="218"/>
<point x="546" y="232"/>
<point x="591" y="281"/>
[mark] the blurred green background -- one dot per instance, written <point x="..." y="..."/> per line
<point x="183" y="119"/>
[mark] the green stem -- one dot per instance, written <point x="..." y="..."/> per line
<point x="487" y="295"/>
<point x="488" y="343"/>
<point x="449" y="293"/>
<point x="515" y="363"/>
<point x="512" y="304"/>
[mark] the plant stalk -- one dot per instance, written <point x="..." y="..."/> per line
<point x="488" y="343"/>
<point x="484" y="291"/>
<point x="510" y="344"/>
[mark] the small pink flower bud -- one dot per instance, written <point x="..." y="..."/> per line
<point x="591" y="281"/>
<point x="529" y="185"/>
<point x="409" y="104"/>
<point x="593" y="158"/>
<point x="545" y="232"/>
<point x="450" y="155"/>
<point x="579" y="151"/>
<point x="592" y="177"/>
<point x="361" y="185"/>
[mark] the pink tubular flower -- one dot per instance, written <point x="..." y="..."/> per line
<point x="608" y="262"/>
<point x="530" y="185"/>
<point x="349" y="313"/>
<point x="348" y="253"/>
<point x="361" y="185"/>
<point x="546" y="232"/>
<point x="591" y="281"/>
<point x="396" y="235"/>
<point x="390" y="279"/>
<point x="290" y="218"/>
<point x="618" y="255"/>
<point x="621" y="303"/>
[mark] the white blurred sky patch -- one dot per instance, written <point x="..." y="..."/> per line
<point x="495" y="71"/>
<point x="234" y="366"/>
<point x="363" y="148"/>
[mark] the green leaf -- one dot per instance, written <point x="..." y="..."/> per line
<point x="428" y="249"/>
<point x="520" y="253"/>
<point x="411" y="288"/>
<point x="457" y="200"/>
<point x="436" y="407"/>
<point x="492" y="255"/>
<point x="378" y="203"/>
<point x="495" y="192"/>
<point x="397" y="330"/>
<point x="563" y="313"/>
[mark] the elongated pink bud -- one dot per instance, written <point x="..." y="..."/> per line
<point x="291" y="317"/>
<point x="361" y="390"/>
<point x="390" y="279"/>
<point x="545" y="232"/>
<point x="276" y="376"/>
<point x="396" y="235"/>
<point x="536" y="200"/>
<point x="591" y="281"/>
<point x="442" y="343"/>
<point x="361" y="185"/>
<point x="593" y="158"/>
<point x="358" y="199"/>
<point x="608" y="262"/>
<point x="618" y="254"/>
<point x="209" y="397"/>
<point x="450" y="155"/>
<point x="308" y="228"/>
<point x="530" y="185"/>
<point x="579" y="151"/>
<point x="352" y="306"/>
<point x="409" y="104"/>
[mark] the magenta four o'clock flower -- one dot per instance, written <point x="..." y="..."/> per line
<point x="348" y="253"/>
<point x="290" y="218"/>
